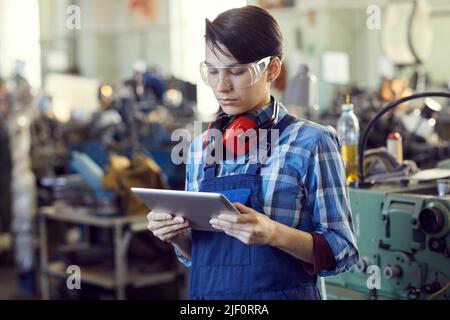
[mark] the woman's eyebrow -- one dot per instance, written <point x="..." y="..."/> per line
<point x="228" y="65"/>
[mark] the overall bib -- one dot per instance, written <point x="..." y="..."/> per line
<point x="225" y="268"/>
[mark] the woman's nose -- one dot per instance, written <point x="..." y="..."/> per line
<point x="223" y="85"/>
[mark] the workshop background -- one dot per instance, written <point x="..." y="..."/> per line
<point x="91" y="91"/>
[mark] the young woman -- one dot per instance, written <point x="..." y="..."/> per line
<point x="296" y="219"/>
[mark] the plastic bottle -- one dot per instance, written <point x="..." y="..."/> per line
<point x="348" y="133"/>
<point x="394" y="146"/>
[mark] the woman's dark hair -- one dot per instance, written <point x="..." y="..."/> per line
<point x="250" y="33"/>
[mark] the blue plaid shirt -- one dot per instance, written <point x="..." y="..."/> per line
<point x="303" y="184"/>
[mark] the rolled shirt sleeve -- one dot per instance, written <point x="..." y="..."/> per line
<point x="323" y="256"/>
<point x="327" y="195"/>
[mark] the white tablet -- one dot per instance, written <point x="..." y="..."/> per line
<point x="197" y="207"/>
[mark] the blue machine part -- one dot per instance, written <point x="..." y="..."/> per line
<point x="94" y="149"/>
<point x="91" y="173"/>
<point x="161" y="154"/>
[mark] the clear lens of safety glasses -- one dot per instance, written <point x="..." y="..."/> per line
<point x="239" y="76"/>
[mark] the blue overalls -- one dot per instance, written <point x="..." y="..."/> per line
<point x="225" y="268"/>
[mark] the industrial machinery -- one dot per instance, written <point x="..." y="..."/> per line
<point x="403" y="234"/>
<point x="403" y="237"/>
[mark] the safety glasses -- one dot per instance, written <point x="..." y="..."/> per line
<point x="239" y="76"/>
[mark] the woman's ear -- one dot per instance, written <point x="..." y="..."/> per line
<point x="274" y="69"/>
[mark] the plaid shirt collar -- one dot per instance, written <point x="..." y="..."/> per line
<point x="263" y="114"/>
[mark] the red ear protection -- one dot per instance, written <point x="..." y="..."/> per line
<point x="237" y="129"/>
<point x="232" y="133"/>
<point x="234" y="129"/>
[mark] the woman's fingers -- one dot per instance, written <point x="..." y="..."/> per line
<point x="241" y="208"/>
<point x="165" y="226"/>
<point x="170" y="235"/>
<point x="158" y="216"/>
<point x="170" y="229"/>
<point x="160" y="224"/>
<point x="222" y="224"/>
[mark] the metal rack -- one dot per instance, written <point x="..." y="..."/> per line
<point x="117" y="279"/>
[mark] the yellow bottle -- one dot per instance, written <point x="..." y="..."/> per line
<point x="350" y="156"/>
<point x="348" y="133"/>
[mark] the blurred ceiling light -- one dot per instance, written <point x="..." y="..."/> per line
<point x="174" y="97"/>
<point x="22" y="121"/>
<point x="106" y="91"/>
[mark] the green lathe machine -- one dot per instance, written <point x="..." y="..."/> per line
<point x="403" y="239"/>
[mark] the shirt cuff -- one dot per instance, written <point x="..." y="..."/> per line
<point x="323" y="258"/>
<point x="186" y="262"/>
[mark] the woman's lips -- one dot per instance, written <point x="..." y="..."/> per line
<point x="228" y="102"/>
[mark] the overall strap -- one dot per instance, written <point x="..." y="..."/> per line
<point x="210" y="171"/>
<point x="285" y="122"/>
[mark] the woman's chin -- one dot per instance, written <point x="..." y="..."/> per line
<point x="232" y="110"/>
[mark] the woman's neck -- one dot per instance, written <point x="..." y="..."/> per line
<point x="267" y="100"/>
